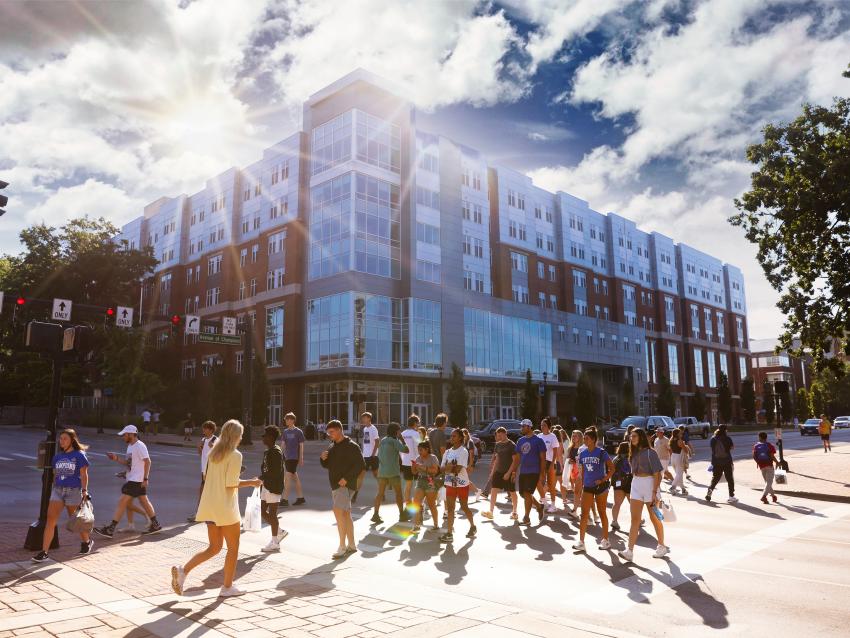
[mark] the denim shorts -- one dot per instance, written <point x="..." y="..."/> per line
<point x="67" y="495"/>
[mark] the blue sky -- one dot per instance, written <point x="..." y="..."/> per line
<point x="643" y="108"/>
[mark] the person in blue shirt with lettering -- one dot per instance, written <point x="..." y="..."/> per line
<point x="596" y="470"/>
<point x="70" y="487"/>
<point x="531" y="457"/>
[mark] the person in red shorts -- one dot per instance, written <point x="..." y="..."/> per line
<point x="455" y="466"/>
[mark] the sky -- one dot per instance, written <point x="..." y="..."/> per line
<point x="641" y="108"/>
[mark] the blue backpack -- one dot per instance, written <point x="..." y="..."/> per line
<point x="762" y="453"/>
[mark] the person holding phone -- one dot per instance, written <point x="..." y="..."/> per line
<point x="344" y="463"/>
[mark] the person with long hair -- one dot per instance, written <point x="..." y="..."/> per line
<point x="677" y="460"/>
<point x="571" y="469"/>
<point x="455" y="468"/>
<point x="70" y="489"/>
<point x="646" y="485"/>
<point x="425" y="469"/>
<point x="553" y="456"/>
<point x="219" y="509"/>
<point x="622" y="482"/>
<point x="596" y="470"/>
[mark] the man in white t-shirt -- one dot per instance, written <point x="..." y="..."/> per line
<point x="139" y="462"/>
<point x="411" y="438"/>
<point x="371" y="439"/>
<point x="204" y="447"/>
<point x="146" y="420"/>
<point x="553" y="456"/>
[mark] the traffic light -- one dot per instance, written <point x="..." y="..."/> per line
<point x="176" y="320"/>
<point x="3" y="199"/>
<point x="20" y="301"/>
<point x="109" y="315"/>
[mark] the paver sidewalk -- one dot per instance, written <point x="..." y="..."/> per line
<point x="123" y="589"/>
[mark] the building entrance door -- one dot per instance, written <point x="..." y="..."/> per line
<point x="423" y="411"/>
<point x="508" y="412"/>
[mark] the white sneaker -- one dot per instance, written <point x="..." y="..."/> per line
<point x="281" y="534"/>
<point x="273" y="546"/>
<point x="227" y="592"/>
<point x="487" y="515"/>
<point x="626" y="554"/>
<point x="605" y="544"/>
<point x="178" y="576"/>
<point x="551" y="509"/>
<point x="579" y="547"/>
<point x="731" y="499"/>
<point x="661" y="552"/>
<point x="340" y="552"/>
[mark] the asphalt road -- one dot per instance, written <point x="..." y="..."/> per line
<point x="747" y="569"/>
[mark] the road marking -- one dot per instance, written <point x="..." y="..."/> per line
<point x="23" y="456"/>
<point x="3" y="458"/>
<point x="646" y="584"/>
<point x="774" y="575"/>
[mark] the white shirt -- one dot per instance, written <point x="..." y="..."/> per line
<point x="205" y="451"/>
<point x="137" y="453"/>
<point x="411" y="437"/>
<point x="461" y="455"/>
<point x="370" y="440"/>
<point x="551" y="441"/>
<point x="146" y="416"/>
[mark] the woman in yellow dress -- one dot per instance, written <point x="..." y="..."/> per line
<point x="219" y="508"/>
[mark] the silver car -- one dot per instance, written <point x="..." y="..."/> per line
<point x="841" y="422"/>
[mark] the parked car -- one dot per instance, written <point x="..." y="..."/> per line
<point x="841" y="422"/>
<point x="810" y="426"/>
<point x="487" y="434"/>
<point x="694" y="425"/>
<point x="613" y="436"/>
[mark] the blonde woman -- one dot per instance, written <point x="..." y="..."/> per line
<point x="219" y="508"/>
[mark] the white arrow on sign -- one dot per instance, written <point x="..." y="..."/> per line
<point x="228" y="325"/>
<point x="124" y="317"/>
<point x="62" y="309"/>
<point x="193" y="324"/>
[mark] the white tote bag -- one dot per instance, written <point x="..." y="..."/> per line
<point x="252" y="521"/>
<point x="667" y="510"/>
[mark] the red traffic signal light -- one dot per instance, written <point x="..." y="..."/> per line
<point x="20" y="301"/>
<point x="175" y="320"/>
<point x="110" y="312"/>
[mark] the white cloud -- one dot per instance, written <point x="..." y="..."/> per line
<point x="91" y="198"/>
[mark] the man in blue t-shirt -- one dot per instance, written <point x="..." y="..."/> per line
<point x="531" y="457"/>
<point x="293" y="454"/>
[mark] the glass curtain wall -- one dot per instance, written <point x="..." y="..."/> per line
<point x="498" y="345"/>
<point x="274" y="336"/>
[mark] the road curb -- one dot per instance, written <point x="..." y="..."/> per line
<point x="815" y="496"/>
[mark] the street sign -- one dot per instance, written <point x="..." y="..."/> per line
<point x="61" y="310"/>
<point x="124" y="317"/>
<point x="193" y="324"/>
<point x="68" y="340"/>
<point x="228" y="325"/>
<point x="225" y="340"/>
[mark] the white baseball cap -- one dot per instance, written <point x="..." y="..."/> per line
<point x="526" y="422"/>
<point x="129" y="429"/>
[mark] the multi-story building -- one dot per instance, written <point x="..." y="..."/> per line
<point x="371" y="256"/>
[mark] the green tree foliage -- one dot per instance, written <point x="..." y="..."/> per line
<point x="786" y="408"/>
<point x="802" y="404"/>
<point x="528" y="406"/>
<point x="665" y="405"/>
<point x="724" y="398"/>
<point x="698" y="405"/>
<point x="627" y="400"/>
<point x="123" y="356"/>
<point x="748" y="400"/>
<point x="585" y="401"/>
<point x="819" y="399"/>
<point x="767" y="403"/>
<point x="836" y="391"/>
<point x="798" y="214"/>
<point x="457" y="398"/>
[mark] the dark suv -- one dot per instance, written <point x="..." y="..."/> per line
<point x="487" y="434"/>
<point x="614" y="436"/>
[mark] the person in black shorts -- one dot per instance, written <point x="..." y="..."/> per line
<point x="503" y="474"/>
<point x="293" y="453"/>
<point x="531" y="459"/>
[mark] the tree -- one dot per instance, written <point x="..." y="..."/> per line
<point x="627" y="402"/>
<point x="666" y="403"/>
<point x="698" y="405"/>
<point x="767" y="403"/>
<point x="748" y="400"/>
<point x="802" y="406"/>
<point x="819" y="399"/>
<point x="528" y="405"/>
<point x="724" y="398"/>
<point x="786" y="410"/>
<point x="457" y="398"/>
<point x="122" y="364"/>
<point x="798" y="214"/>
<point x="585" y="401"/>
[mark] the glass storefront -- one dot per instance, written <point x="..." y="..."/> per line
<point x="503" y="346"/>
<point x="488" y="404"/>
<point x="387" y="401"/>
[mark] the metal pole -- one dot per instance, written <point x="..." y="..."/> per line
<point x="35" y="532"/>
<point x="248" y="383"/>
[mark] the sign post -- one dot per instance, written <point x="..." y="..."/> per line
<point x="193" y="325"/>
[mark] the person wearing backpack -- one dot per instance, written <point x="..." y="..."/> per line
<point x="764" y="454"/>
<point x="622" y="482"/>
<point x="721" y="461"/>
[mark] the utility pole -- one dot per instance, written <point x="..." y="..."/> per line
<point x="248" y="383"/>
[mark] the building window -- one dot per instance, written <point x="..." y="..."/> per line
<point x="426" y="197"/>
<point x="274" y="278"/>
<point x="378" y="142"/>
<point x="213" y="296"/>
<point x="240" y="358"/>
<point x="520" y="293"/>
<point x="214" y="265"/>
<point x="331" y="143"/>
<point x="427" y="233"/>
<point x="541" y="270"/>
<point x="274" y="336"/>
<point x="673" y="363"/>
<point x="242" y="289"/>
<point x="698" y="373"/>
<point x="276" y="242"/>
<point x="579" y="279"/>
<point x="427" y="271"/>
<point x="243" y="256"/>
<point x="541" y="299"/>
<point x="712" y="370"/>
<point x="519" y="262"/>
<point x="253" y="287"/>
<point x="551" y="269"/>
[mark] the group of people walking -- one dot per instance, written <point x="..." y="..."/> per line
<point x="424" y="468"/>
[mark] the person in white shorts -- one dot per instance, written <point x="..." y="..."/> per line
<point x="271" y="474"/>
<point x="646" y="484"/>
<point x="661" y="445"/>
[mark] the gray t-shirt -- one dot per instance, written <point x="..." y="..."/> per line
<point x="422" y="466"/>
<point x="504" y="452"/>
<point x="438" y="439"/>
<point x="645" y="462"/>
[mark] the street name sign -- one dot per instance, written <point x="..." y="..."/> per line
<point x="226" y="340"/>
<point x="61" y="310"/>
<point x="193" y="324"/>
<point x="124" y="317"/>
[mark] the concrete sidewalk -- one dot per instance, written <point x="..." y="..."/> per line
<point x="123" y="589"/>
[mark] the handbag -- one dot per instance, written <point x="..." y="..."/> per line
<point x="83" y="519"/>
<point x="667" y="510"/>
<point x="781" y="477"/>
<point x="252" y="521"/>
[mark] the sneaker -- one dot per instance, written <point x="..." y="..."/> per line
<point x="471" y="532"/>
<point x="447" y="538"/>
<point x="579" y="546"/>
<point x="731" y="500"/>
<point x="273" y="546"/>
<point x="128" y="528"/>
<point x="416" y="528"/>
<point x="376" y="519"/>
<point x="350" y="550"/>
<point x="404" y="517"/>
<point x="684" y="492"/>
<point x="626" y="554"/>
<point x="764" y="500"/>
<point x="615" y="526"/>
<point x="661" y="551"/>
<point x="708" y="496"/>
<point x="40" y="557"/>
<point x="154" y="528"/>
<point x="300" y="501"/>
<point x="106" y="530"/>
<point x="284" y="502"/>
<point x="177" y="578"/>
<point x="339" y="553"/>
<point x="526" y="521"/>
<point x="605" y="544"/>
<point x="86" y="547"/>
<point x="228" y="592"/>
<point x="551" y="509"/>
<point x="281" y="534"/>
<point x="773" y="496"/>
<point x="487" y="515"/>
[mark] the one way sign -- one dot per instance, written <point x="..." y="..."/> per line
<point x="124" y="317"/>
<point x="61" y="309"/>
